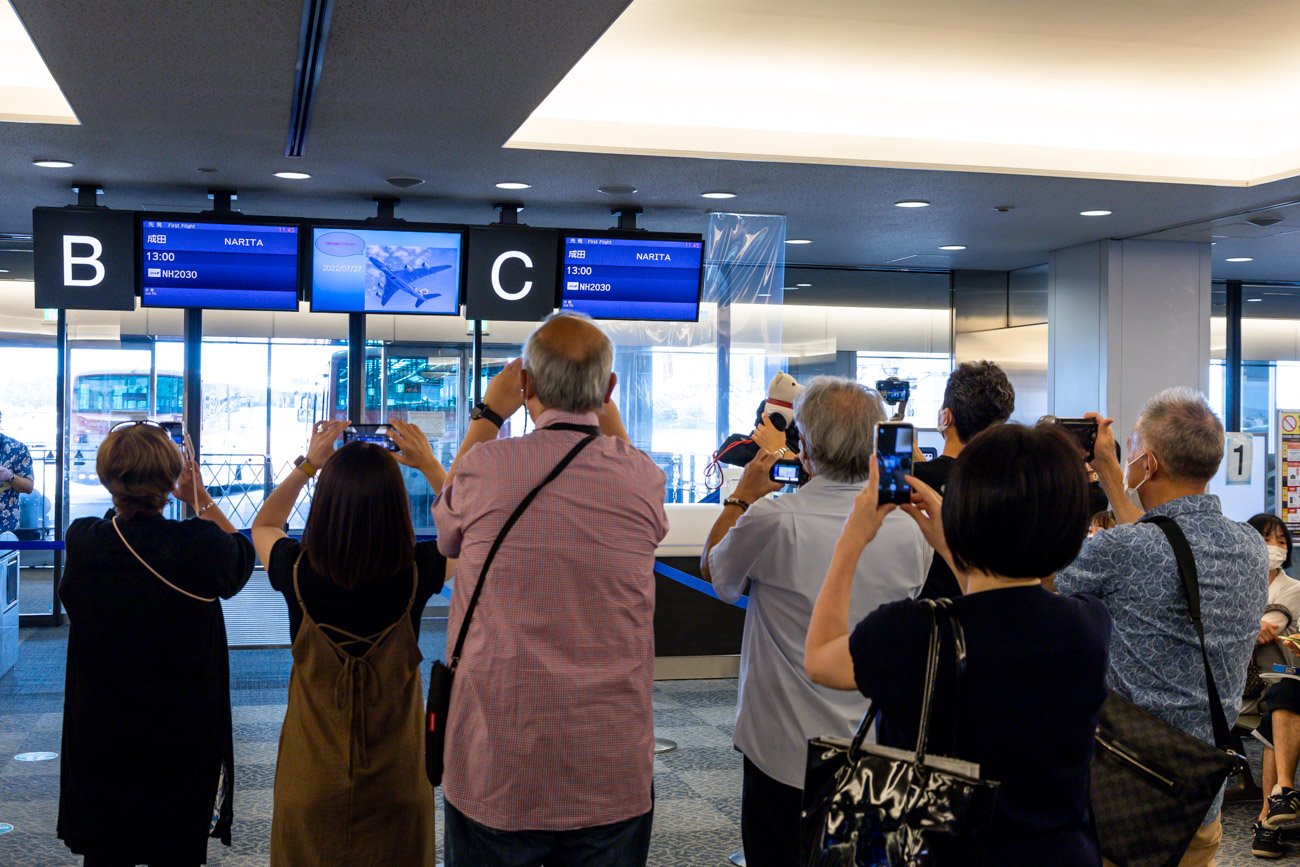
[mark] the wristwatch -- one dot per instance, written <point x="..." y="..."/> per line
<point x="303" y="464"/>
<point x="482" y="410"/>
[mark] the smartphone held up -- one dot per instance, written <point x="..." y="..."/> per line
<point x="376" y="434"/>
<point x="894" y="442"/>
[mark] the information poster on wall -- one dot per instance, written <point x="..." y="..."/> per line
<point x="1288" y="467"/>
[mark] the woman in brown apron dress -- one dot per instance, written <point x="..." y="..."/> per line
<point x="350" y="788"/>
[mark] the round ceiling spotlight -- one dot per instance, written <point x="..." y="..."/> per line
<point x="717" y="194"/>
<point x="798" y="241"/>
<point x="1240" y="259"/>
<point x="403" y="181"/>
<point x="912" y="203"/>
<point x="952" y="248"/>
<point x="1002" y="209"/>
<point x="513" y="185"/>
<point x="293" y="176"/>
<point x="616" y="189"/>
<point x="46" y="163"/>
<point x="1097" y="213"/>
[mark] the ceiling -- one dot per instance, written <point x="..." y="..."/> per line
<point x="1106" y="89"/>
<point x="434" y="90"/>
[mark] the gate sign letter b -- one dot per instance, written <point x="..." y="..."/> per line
<point x="84" y="258"/>
<point x="511" y="273"/>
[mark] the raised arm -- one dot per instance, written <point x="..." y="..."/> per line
<point x="190" y="489"/>
<point x="268" y="526"/>
<point x="504" y="396"/>
<point x="826" y="657"/>
<point x="414" y="451"/>
<point x="1110" y="473"/>
<point x="755" y="483"/>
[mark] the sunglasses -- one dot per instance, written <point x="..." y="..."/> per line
<point x="174" y="429"/>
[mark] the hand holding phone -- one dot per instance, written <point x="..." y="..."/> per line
<point x="375" y="434"/>
<point x="1084" y="432"/>
<point x="894" y="455"/>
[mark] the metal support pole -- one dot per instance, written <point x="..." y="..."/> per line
<point x="724" y="371"/>
<point x="193" y="384"/>
<point x="60" y="458"/>
<point x="357" y="367"/>
<point x="476" y="365"/>
<point x="1232" y="359"/>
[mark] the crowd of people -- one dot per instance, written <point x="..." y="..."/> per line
<point x="550" y="734"/>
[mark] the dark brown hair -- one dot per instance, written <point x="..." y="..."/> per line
<point x="978" y="395"/>
<point x="1017" y="502"/>
<point x="139" y="465"/>
<point x="1267" y="524"/>
<point x="359" y="528"/>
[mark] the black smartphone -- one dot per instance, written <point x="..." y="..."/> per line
<point x="894" y="448"/>
<point x="788" y="473"/>
<point x="375" y="434"/>
<point x="175" y="430"/>
<point x="1084" y="432"/>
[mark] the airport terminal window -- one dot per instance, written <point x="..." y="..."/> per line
<point x="927" y="373"/>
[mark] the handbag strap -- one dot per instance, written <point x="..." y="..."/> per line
<point x="505" y="529"/>
<point x="933" y="607"/>
<point x="1191" y="589"/>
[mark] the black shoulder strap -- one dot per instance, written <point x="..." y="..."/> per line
<point x="501" y="537"/>
<point x="1192" y="590"/>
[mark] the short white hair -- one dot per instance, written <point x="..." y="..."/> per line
<point x="1179" y="428"/>
<point x="570" y="378"/>
<point x="838" y="419"/>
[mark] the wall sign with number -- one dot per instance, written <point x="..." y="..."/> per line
<point x="1237" y="456"/>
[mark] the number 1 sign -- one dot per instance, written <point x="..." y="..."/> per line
<point x="1237" y="455"/>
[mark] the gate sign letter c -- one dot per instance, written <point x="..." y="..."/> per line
<point x="496" y="275"/>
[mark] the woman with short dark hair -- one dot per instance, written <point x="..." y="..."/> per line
<point x="349" y="780"/>
<point x="1016" y="511"/>
<point x="147" y="770"/>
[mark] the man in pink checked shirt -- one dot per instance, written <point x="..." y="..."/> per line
<point x="550" y="732"/>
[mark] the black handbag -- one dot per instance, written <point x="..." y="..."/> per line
<point x="866" y="804"/>
<point x="1152" y="783"/>
<point x="442" y="674"/>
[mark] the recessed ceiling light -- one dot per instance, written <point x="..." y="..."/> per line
<point x="4" y="270"/>
<point x="798" y="241"/>
<point x="53" y="164"/>
<point x="403" y="181"/>
<point x="912" y="203"/>
<point x="1239" y="259"/>
<point x="952" y="247"/>
<point x="1254" y="299"/>
<point x="616" y="189"/>
<point x="1094" y="213"/>
<point x="513" y="185"/>
<point x="802" y="285"/>
<point x="293" y="176"/>
<point x="717" y="194"/>
<point x="207" y="171"/>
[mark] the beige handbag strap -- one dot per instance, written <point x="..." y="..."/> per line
<point x="154" y="572"/>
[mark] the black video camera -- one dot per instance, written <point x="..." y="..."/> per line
<point x="894" y="390"/>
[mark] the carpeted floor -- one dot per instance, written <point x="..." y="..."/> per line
<point x="697" y="810"/>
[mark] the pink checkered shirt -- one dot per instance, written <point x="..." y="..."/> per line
<point x="551" y="726"/>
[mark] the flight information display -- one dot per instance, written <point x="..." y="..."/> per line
<point x="363" y="270"/>
<point x="631" y="278"/>
<point x="230" y="266"/>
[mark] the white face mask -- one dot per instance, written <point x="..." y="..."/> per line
<point x="1276" y="557"/>
<point x="1132" y="492"/>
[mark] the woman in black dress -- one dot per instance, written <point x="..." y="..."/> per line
<point x="147" y="769"/>
<point x="1016" y="511"/>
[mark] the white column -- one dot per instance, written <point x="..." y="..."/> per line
<point x="1126" y="319"/>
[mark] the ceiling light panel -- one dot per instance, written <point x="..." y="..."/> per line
<point x="992" y="89"/>
<point x="28" y="91"/>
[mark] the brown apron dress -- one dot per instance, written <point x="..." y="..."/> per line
<point x="349" y="782"/>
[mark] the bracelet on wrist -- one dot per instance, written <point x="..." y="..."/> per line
<point x="736" y="501"/>
<point x="211" y="504"/>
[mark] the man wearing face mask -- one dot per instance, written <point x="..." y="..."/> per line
<point x="1155" y="658"/>
<point x="978" y="395"/>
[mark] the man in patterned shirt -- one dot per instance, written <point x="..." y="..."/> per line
<point x="1155" y="658"/>
<point x="15" y="479"/>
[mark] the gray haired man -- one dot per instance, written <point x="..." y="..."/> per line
<point x="1155" y="657"/>
<point x="780" y="551"/>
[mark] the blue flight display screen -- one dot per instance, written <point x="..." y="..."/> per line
<point x="232" y="266"/>
<point x="631" y="278"/>
<point x="363" y="270"/>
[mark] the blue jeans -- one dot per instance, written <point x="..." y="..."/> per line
<point x="622" y="844"/>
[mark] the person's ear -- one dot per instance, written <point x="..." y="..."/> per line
<point x="613" y="383"/>
<point x="526" y="384"/>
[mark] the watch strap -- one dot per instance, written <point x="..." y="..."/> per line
<point x="482" y="410"/>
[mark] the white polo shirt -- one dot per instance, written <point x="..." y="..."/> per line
<point x="782" y="550"/>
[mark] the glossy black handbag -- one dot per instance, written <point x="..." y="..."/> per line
<point x="866" y="805"/>
<point x="1152" y="783"/>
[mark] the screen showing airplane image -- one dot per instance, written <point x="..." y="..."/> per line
<point x="363" y="270"/>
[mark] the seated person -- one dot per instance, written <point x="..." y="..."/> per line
<point x="1279" y="703"/>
